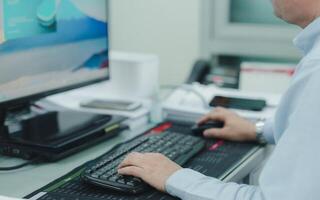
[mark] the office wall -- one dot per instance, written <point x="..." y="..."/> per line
<point x="168" y="28"/>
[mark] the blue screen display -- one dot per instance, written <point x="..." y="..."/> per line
<point x="44" y="39"/>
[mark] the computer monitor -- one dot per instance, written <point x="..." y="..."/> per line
<point x="246" y="28"/>
<point x="50" y="46"/>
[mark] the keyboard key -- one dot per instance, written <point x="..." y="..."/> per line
<point x="121" y="180"/>
<point x="95" y="175"/>
<point x="113" y="178"/>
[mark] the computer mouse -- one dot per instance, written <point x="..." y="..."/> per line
<point x="199" y="129"/>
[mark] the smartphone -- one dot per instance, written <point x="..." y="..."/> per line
<point x="238" y="103"/>
<point x="112" y="105"/>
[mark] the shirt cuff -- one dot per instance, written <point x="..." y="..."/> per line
<point x="178" y="183"/>
<point x="268" y="132"/>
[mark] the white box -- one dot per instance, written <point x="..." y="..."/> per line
<point x="265" y="77"/>
<point x="135" y="75"/>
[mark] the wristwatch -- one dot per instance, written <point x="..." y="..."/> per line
<point x="259" y="131"/>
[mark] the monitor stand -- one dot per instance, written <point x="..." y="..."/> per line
<point x="30" y="132"/>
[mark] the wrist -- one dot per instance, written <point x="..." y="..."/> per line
<point x="251" y="132"/>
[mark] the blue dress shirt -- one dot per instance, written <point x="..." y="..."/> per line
<point x="293" y="170"/>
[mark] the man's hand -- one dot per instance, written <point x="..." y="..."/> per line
<point x="235" y="128"/>
<point x="153" y="168"/>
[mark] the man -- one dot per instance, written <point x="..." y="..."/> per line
<point x="292" y="172"/>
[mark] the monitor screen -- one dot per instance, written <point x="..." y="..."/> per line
<point x="253" y="12"/>
<point x="49" y="46"/>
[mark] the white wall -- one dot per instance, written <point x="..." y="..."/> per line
<point x="168" y="28"/>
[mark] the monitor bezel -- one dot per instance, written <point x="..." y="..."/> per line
<point x="29" y="99"/>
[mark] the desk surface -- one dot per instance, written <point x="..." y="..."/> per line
<point x="22" y="182"/>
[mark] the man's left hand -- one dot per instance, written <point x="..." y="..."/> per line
<point x="153" y="168"/>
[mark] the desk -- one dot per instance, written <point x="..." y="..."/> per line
<point x="22" y="182"/>
<point x="27" y="180"/>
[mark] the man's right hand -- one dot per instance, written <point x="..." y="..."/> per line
<point x="235" y="127"/>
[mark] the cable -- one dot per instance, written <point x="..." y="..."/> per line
<point x="18" y="166"/>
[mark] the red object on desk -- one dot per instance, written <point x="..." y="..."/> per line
<point x="216" y="145"/>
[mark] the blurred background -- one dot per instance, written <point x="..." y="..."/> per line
<point x="246" y="46"/>
<point x="169" y="28"/>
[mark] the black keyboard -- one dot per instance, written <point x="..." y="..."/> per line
<point x="103" y="172"/>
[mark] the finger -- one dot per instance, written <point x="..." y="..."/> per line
<point x="218" y="116"/>
<point x="131" y="171"/>
<point x="133" y="159"/>
<point x="220" y="109"/>
<point x="214" y="116"/>
<point x="214" y="133"/>
<point x="203" y="119"/>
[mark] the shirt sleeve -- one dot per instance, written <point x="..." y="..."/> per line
<point x="188" y="184"/>
<point x="268" y="131"/>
